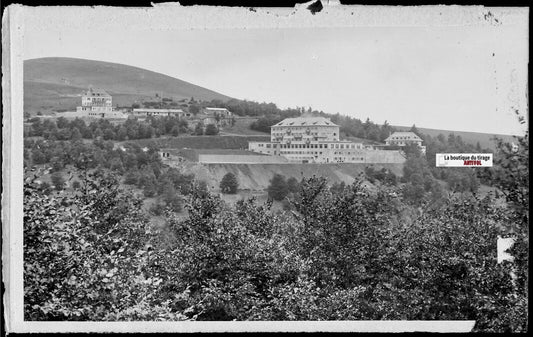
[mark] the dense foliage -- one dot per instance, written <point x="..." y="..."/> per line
<point x="351" y="255"/>
<point x="84" y="256"/>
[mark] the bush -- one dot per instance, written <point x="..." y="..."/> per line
<point x="293" y="185"/>
<point x="199" y="129"/>
<point x="211" y="130"/>
<point x="76" y="184"/>
<point x="57" y="180"/>
<point x="229" y="184"/>
<point x="278" y="188"/>
<point x="157" y="208"/>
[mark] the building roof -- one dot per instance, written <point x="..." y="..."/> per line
<point x="157" y="110"/>
<point x="306" y="121"/>
<point x="404" y="136"/>
<point x="97" y="92"/>
<point x="216" y="109"/>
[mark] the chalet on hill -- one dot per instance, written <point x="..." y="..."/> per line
<point x="97" y="103"/>
<point x="405" y="138"/>
<point x="222" y="112"/>
<point x="217" y="116"/>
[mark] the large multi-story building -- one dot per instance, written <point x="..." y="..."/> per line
<point x="310" y="140"/>
<point x="96" y="103"/>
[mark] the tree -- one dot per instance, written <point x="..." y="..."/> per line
<point x="131" y="177"/>
<point x="211" y="130"/>
<point x="414" y="130"/>
<point x="278" y="188"/>
<point x="76" y="134"/>
<point x="76" y="184"/>
<point x="57" y="180"/>
<point x="183" y="126"/>
<point x="175" y="131"/>
<point x="199" y="129"/>
<point x="172" y="199"/>
<point x="62" y="122"/>
<point x="229" y="184"/>
<point x="293" y="185"/>
<point x="194" y="108"/>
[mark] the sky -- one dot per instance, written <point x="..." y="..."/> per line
<point x="462" y="78"/>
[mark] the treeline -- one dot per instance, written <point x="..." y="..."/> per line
<point x="349" y="126"/>
<point x="250" y="108"/>
<point x="89" y="155"/>
<point x="140" y="167"/>
<point x="76" y="129"/>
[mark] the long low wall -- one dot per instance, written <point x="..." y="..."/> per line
<point x="378" y="156"/>
<point x="257" y="176"/>
<point x="240" y="159"/>
<point x="370" y="157"/>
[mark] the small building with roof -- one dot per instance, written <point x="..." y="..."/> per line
<point x="402" y="139"/>
<point x="217" y="116"/>
<point x="222" y="112"/>
<point x="145" y="112"/>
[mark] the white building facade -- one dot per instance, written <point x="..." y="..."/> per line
<point x="144" y="112"/>
<point x="310" y="140"/>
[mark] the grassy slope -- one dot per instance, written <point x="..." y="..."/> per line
<point x="202" y="142"/>
<point x="257" y="176"/>
<point x="55" y="82"/>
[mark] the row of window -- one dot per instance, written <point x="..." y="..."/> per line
<point x="301" y="152"/>
<point x="342" y="159"/>
<point x="295" y="132"/>
<point x="311" y="146"/>
<point x="406" y="137"/>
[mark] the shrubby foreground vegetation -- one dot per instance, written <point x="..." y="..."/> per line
<point x="336" y="253"/>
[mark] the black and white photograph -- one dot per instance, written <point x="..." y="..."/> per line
<point x="321" y="167"/>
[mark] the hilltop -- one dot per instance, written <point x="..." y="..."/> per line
<point x="56" y="83"/>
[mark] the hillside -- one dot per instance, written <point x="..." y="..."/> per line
<point x="484" y="139"/>
<point x="54" y="83"/>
